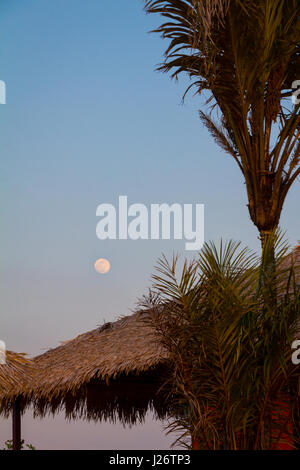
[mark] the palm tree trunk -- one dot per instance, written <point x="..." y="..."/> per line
<point x="270" y="299"/>
<point x="264" y="235"/>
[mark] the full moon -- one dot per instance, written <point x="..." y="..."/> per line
<point x="102" y="266"/>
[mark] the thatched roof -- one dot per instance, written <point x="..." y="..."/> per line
<point x="114" y="371"/>
<point x="14" y="374"/>
<point x="124" y="347"/>
<point x="293" y="258"/>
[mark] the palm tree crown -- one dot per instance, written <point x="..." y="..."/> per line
<point x="246" y="54"/>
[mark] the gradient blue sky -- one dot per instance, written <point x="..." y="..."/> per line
<point x="88" y="119"/>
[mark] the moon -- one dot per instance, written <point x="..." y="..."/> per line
<point x="102" y="266"/>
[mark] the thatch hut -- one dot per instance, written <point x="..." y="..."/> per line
<point x="113" y="372"/>
<point x="15" y="374"/>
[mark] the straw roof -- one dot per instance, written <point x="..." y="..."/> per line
<point x="123" y="347"/>
<point x="293" y="258"/>
<point x="114" y="371"/>
<point x="14" y="374"/>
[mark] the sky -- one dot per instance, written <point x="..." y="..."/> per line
<point x="87" y="119"/>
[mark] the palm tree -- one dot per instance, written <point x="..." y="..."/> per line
<point x="246" y="55"/>
<point x="232" y="383"/>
